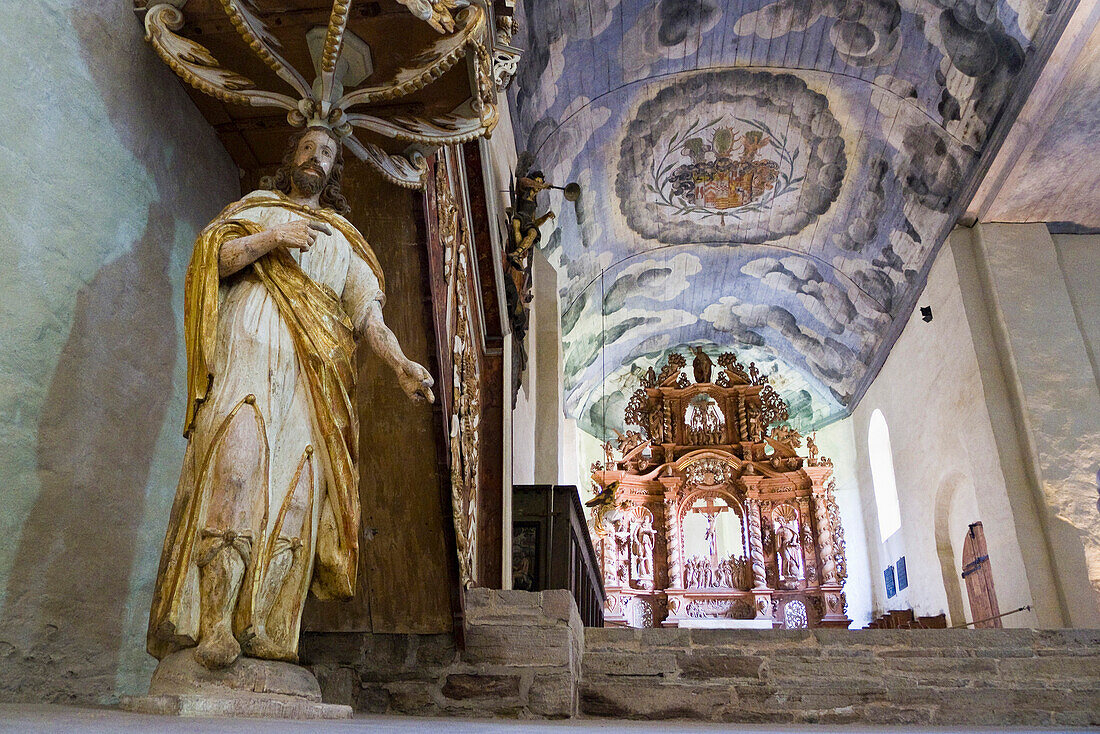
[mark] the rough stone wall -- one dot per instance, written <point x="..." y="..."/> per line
<point x="527" y="656"/>
<point x="907" y="677"/>
<point x="108" y="173"/>
<point x="522" y="658"/>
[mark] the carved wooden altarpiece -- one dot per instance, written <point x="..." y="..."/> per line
<point x="709" y="513"/>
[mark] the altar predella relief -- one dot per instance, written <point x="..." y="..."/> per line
<point x="267" y="507"/>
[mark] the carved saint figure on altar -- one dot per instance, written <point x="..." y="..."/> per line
<point x="701" y="365"/>
<point x="620" y="535"/>
<point x="267" y="507"/>
<point x="642" y="539"/>
<point x="787" y="546"/>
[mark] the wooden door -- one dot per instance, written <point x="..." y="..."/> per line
<point x="979" y="579"/>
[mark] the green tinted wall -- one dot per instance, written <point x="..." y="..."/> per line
<point x="107" y="172"/>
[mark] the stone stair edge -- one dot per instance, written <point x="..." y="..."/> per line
<point x="1039" y="639"/>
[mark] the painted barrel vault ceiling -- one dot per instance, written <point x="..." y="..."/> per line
<point x="768" y="177"/>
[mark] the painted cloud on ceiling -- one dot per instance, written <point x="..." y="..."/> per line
<point x="767" y="177"/>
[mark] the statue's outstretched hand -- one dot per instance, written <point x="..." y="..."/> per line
<point x="416" y="382"/>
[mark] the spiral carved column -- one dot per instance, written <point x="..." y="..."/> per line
<point x="825" y="542"/>
<point x="672" y="535"/>
<point x="742" y="423"/>
<point x="756" y="542"/>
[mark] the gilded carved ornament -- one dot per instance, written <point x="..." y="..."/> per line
<point x="465" y="33"/>
<point x="505" y="56"/>
<point x="465" y="449"/>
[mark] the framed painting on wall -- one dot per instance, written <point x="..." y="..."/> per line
<point x="525" y="554"/>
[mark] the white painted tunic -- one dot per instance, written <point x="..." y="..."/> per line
<point x="255" y="355"/>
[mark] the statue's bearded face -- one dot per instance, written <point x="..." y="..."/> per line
<point x="313" y="161"/>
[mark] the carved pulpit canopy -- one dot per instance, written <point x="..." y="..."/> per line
<point x="348" y="95"/>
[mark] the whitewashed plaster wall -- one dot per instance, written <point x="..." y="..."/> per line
<point x="107" y="172"/>
<point x="1044" y="342"/>
<point x="543" y="439"/>
<point x="524" y="409"/>
<point x="950" y="470"/>
<point x="1079" y="256"/>
<point x="548" y="446"/>
<point x="837" y="441"/>
<point x="547" y="366"/>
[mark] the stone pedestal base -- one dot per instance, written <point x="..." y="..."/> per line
<point x="240" y="705"/>
<point x="249" y="687"/>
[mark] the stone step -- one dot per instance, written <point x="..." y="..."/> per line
<point x="947" y="677"/>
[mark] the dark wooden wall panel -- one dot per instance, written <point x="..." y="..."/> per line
<point x="403" y="569"/>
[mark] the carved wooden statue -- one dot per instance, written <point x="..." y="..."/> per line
<point x="787" y="547"/>
<point x="642" y="548"/>
<point x="279" y="287"/>
<point x="267" y="508"/>
<point x="743" y="527"/>
<point x="701" y="365"/>
<point x="524" y="224"/>
<point x="523" y="235"/>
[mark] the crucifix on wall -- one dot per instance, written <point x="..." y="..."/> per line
<point x="711" y="511"/>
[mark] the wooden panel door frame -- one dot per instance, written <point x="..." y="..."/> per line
<point x="978" y="575"/>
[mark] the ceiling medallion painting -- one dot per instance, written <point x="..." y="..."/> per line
<point x="715" y="181"/>
<point x="757" y="149"/>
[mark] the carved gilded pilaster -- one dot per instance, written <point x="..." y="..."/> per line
<point x="465" y="417"/>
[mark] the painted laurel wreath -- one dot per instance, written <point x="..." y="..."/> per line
<point x="714" y="170"/>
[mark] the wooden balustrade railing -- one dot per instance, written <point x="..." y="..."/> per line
<point x="552" y="548"/>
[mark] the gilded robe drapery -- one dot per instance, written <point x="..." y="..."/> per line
<point x="273" y="344"/>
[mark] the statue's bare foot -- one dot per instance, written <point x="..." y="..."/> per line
<point x="259" y="645"/>
<point x="218" y="650"/>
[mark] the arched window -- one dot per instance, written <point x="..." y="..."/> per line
<point x="882" y="475"/>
